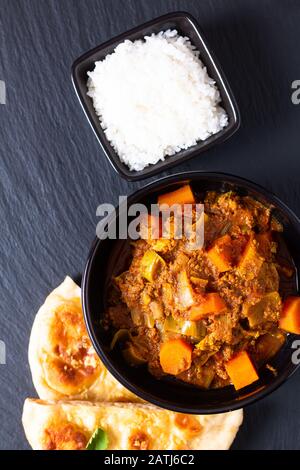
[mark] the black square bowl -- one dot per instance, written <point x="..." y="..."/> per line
<point x="109" y="258"/>
<point x="186" y="25"/>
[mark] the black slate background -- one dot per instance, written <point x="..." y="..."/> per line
<point x="53" y="174"/>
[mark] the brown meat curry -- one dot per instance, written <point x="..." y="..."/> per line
<point x="208" y="316"/>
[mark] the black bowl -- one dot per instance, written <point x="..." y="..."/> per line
<point x="107" y="258"/>
<point x="186" y="25"/>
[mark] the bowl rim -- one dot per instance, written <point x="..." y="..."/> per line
<point x="231" y="107"/>
<point x="145" y="395"/>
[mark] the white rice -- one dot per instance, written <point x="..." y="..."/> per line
<point x="154" y="98"/>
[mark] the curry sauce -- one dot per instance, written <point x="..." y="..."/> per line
<point x="200" y="315"/>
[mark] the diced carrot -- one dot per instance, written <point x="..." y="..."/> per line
<point x="241" y="370"/>
<point x="290" y="315"/>
<point x="220" y="253"/>
<point x="183" y="195"/>
<point x="150" y="264"/>
<point x="250" y="261"/>
<point x="175" y="356"/>
<point x="212" y="303"/>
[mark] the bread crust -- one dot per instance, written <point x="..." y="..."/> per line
<point x="131" y="426"/>
<point x="54" y="375"/>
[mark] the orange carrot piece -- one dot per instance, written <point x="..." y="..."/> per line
<point x="183" y="195"/>
<point x="213" y="303"/>
<point x="175" y="356"/>
<point x="220" y="253"/>
<point x="250" y="261"/>
<point x="241" y="370"/>
<point x="290" y="315"/>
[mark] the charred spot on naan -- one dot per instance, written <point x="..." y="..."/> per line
<point x="139" y="440"/>
<point x="64" y="436"/>
<point x="72" y="364"/>
<point x="188" y="424"/>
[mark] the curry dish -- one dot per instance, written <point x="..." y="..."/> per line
<point x="208" y="316"/>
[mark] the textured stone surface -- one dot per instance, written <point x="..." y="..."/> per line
<point x="53" y="174"/>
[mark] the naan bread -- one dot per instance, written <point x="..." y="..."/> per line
<point x="69" y="425"/>
<point x="62" y="360"/>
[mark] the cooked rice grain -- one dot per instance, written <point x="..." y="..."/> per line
<point x="154" y="98"/>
